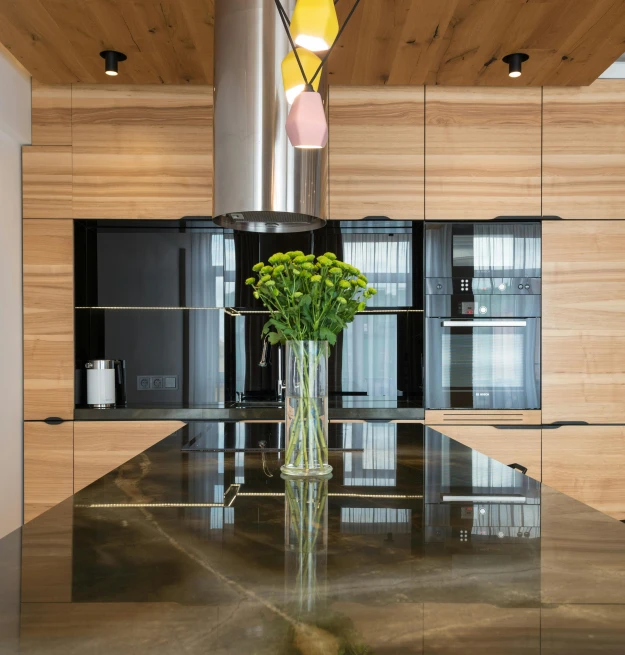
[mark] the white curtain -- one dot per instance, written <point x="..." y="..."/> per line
<point x="376" y="465"/>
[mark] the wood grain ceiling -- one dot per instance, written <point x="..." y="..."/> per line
<point x="396" y="42"/>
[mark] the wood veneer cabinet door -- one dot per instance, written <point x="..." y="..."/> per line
<point x="587" y="463"/>
<point x="520" y="446"/>
<point x="48" y="319"/>
<point x="583" y="335"/>
<point x="482" y="152"/>
<point x="48" y="466"/>
<point x="142" y="151"/>
<point x="376" y="152"/>
<point x="101" y="446"/>
<point x="47" y="181"/>
<point x="584" y="151"/>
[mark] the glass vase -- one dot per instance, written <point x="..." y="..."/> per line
<point x="306" y="448"/>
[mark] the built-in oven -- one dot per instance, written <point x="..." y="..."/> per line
<point x="483" y="308"/>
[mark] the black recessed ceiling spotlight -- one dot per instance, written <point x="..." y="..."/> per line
<point x="515" y="62"/>
<point x="111" y="61"/>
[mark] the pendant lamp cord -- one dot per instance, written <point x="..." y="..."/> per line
<point x="285" y="21"/>
<point x="338" y="36"/>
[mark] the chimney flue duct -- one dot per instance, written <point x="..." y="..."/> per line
<point x="260" y="182"/>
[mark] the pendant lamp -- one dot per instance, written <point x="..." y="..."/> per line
<point x="294" y="82"/>
<point x="314" y="24"/>
<point x="306" y="124"/>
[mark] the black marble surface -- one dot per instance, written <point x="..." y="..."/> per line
<point x="182" y="551"/>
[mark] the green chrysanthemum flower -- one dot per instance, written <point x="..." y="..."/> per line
<point x="344" y="284"/>
<point x="330" y="255"/>
<point x="310" y="258"/>
<point x="335" y="271"/>
<point x="362" y="306"/>
<point x="329" y="283"/>
<point x="256" y="295"/>
<point x="266" y="269"/>
<point x="295" y="271"/>
<point x="250" y="280"/>
<point x="315" y="278"/>
<point x="298" y="294"/>
<point x="300" y="259"/>
<point x="306" y="274"/>
<point x="372" y="291"/>
<point x="275" y="292"/>
<point x="277" y="258"/>
<point x="354" y="283"/>
<point x="363" y="277"/>
<point x="342" y="300"/>
<point x="258" y="267"/>
<point x="324" y="261"/>
<point x="278" y="269"/>
<point x="308" y="266"/>
<point x="361" y="283"/>
<point x="270" y="283"/>
<point x="265" y="278"/>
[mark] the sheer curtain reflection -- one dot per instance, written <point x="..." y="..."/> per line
<point x="510" y="250"/>
<point x="376" y="466"/>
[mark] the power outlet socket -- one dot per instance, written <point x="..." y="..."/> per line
<point x="157" y="382"/>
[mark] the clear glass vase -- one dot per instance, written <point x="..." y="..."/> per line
<point x="306" y="451"/>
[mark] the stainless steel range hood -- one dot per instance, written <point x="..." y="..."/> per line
<point x="260" y="182"/>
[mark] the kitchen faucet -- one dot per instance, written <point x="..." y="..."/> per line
<point x="265" y="359"/>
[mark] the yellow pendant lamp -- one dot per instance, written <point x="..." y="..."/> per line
<point x="314" y="24"/>
<point x="292" y="78"/>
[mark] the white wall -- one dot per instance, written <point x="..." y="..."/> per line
<point x="14" y="132"/>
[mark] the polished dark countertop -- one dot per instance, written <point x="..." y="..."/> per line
<point x="339" y="409"/>
<point x="188" y="551"/>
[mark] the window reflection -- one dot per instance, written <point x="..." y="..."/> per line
<point x="376" y="465"/>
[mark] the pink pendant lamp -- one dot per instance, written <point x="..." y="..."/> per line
<point x="306" y="124"/>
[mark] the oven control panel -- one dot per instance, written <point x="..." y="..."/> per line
<point x="495" y="286"/>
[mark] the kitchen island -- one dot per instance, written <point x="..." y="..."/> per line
<point x="417" y="544"/>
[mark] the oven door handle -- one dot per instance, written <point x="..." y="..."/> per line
<point x="484" y="322"/>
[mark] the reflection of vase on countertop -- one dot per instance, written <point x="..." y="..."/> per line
<point x="306" y="409"/>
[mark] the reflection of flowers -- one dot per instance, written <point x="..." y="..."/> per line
<point x="307" y="527"/>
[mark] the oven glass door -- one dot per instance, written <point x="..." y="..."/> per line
<point x="483" y="363"/>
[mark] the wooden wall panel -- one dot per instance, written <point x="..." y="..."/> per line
<point x="506" y="446"/>
<point x="47" y="181"/>
<point x="587" y="463"/>
<point x="482" y="152"/>
<point x="376" y="152"/>
<point x="48" y="319"/>
<point x="47" y="546"/>
<point x="101" y="446"/>
<point x="584" y="151"/>
<point x="48" y="466"/>
<point x="51" y="114"/>
<point x="482" y="417"/>
<point x="142" y="151"/>
<point x="583" y="335"/>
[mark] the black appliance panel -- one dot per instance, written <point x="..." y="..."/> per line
<point x="482" y="306"/>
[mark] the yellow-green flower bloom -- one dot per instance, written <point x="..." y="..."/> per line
<point x="277" y="258"/>
<point x="354" y="283"/>
<point x="329" y="283"/>
<point x="250" y="280"/>
<point x="342" y="300"/>
<point x="298" y="294"/>
<point x="300" y="259"/>
<point x="324" y="261"/>
<point x="306" y="274"/>
<point x="256" y="295"/>
<point x="344" y="284"/>
<point x="372" y="291"/>
<point x="329" y="255"/>
<point x="315" y="278"/>
<point x="310" y="258"/>
<point x="335" y="271"/>
<point x="266" y="269"/>
<point x="258" y="266"/>
<point x="270" y="283"/>
<point x="295" y="271"/>
<point x="363" y="277"/>
<point x="362" y="306"/>
<point x="307" y="265"/>
<point x="265" y="278"/>
<point x="361" y="283"/>
<point x="278" y="269"/>
<point x="275" y="292"/>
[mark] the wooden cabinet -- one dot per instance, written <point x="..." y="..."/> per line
<point x="47" y="181"/>
<point x="482" y="417"/>
<point x="376" y="152"/>
<point x="520" y="446"/>
<point x="587" y="463"/>
<point x="48" y="466"/>
<point x="48" y="319"/>
<point x="101" y="446"/>
<point x="583" y="336"/>
<point x="51" y="114"/>
<point x="482" y="152"/>
<point x="584" y="151"/>
<point x="142" y="151"/>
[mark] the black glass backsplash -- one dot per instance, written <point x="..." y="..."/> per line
<point x="159" y="294"/>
